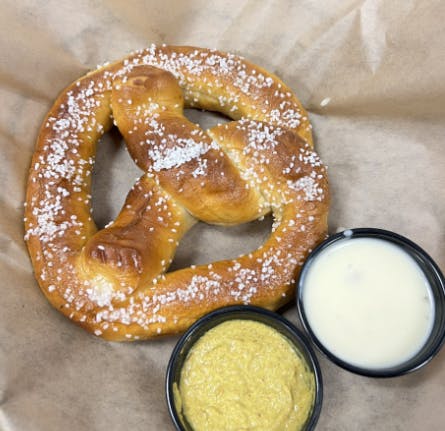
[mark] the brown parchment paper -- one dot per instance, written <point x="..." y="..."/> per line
<point x="371" y="73"/>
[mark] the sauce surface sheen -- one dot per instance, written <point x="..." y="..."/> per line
<point x="245" y="375"/>
<point x="368" y="302"/>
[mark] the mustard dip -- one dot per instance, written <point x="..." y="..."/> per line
<point x="245" y="375"/>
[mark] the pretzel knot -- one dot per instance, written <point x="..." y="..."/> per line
<point x="114" y="282"/>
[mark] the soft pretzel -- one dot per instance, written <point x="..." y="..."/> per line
<point x="113" y="282"/>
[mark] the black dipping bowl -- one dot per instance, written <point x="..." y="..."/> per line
<point x="245" y="312"/>
<point x="434" y="277"/>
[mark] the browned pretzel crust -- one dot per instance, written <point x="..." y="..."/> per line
<point x="113" y="282"/>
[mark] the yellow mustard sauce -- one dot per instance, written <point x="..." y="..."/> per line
<point x="243" y="375"/>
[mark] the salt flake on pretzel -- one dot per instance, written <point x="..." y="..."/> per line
<point x="114" y="282"/>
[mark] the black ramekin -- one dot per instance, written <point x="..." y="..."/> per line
<point x="434" y="277"/>
<point x="245" y="312"/>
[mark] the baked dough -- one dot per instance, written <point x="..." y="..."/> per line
<point x="113" y="282"/>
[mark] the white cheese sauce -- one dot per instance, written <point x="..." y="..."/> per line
<point x="368" y="302"/>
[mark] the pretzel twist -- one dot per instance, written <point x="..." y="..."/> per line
<point x="113" y="282"/>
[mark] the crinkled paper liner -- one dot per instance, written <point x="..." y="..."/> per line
<point x="371" y="75"/>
